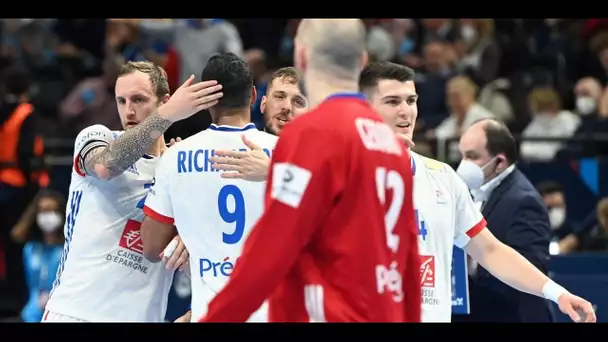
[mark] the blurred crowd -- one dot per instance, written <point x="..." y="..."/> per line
<point x="545" y="78"/>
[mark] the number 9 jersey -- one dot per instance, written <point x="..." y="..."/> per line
<point x="213" y="215"/>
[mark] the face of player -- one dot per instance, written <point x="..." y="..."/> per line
<point x="397" y="103"/>
<point x="136" y="98"/>
<point x="284" y="101"/>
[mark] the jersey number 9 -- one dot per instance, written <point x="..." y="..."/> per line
<point x="235" y="216"/>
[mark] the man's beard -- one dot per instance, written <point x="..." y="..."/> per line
<point x="270" y="130"/>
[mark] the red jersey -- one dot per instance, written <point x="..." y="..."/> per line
<point x="337" y="241"/>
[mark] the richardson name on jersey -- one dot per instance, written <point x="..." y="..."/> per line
<point x="198" y="160"/>
<point x="131" y="249"/>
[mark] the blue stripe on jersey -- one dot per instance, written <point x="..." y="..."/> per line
<point x="413" y="166"/>
<point x="147" y="156"/>
<point x="359" y="96"/>
<point x="73" y="209"/>
<point x="215" y="127"/>
<point x="140" y="204"/>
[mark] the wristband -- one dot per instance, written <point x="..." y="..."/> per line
<point x="553" y="291"/>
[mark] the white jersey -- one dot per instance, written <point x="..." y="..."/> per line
<point x="446" y="216"/>
<point x="213" y="215"/>
<point x="103" y="275"/>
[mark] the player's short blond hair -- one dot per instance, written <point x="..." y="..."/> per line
<point x="157" y="75"/>
<point x="287" y="75"/>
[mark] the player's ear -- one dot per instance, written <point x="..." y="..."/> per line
<point x="165" y="98"/>
<point x="263" y="104"/>
<point x="254" y="96"/>
<point x="364" y="59"/>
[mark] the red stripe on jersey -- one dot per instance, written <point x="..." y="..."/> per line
<point x="76" y="168"/>
<point x="158" y="217"/>
<point x="477" y="228"/>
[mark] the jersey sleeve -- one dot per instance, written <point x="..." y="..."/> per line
<point x="158" y="204"/>
<point x="469" y="220"/>
<point x="87" y="140"/>
<point x="301" y="187"/>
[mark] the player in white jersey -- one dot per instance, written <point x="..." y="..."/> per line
<point x="103" y="275"/>
<point x="446" y="213"/>
<point x="213" y="215"/>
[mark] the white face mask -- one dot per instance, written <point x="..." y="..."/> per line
<point x="468" y="33"/>
<point x="49" y="221"/>
<point x="585" y="105"/>
<point x="472" y="174"/>
<point x="557" y="216"/>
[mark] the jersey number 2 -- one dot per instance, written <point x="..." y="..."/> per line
<point x="235" y="216"/>
<point x="390" y="180"/>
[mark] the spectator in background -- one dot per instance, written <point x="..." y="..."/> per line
<point x="195" y="40"/>
<point x="555" y="200"/>
<point x="19" y="147"/>
<point x="81" y="38"/>
<point x="549" y="120"/>
<point x="461" y="98"/>
<point x="479" y="53"/>
<point x="401" y="32"/>
<point x="92" y="100"/>
<point x="41" y="228"/>
<point x="599" y="46"/>
<point x="380" y="43"/>
<point x="597" y="239"/>
<point x="431" y="85"/>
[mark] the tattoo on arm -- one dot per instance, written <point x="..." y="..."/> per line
<point x="127" y="148"/>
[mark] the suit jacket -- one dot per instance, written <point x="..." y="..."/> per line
<point x="517" y="216"/>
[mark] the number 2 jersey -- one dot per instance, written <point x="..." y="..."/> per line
<point x="213" y="215"/>
<point x="337" y="240"/>
<point x="103" y="275"/>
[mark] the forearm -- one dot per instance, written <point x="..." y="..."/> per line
<point x="513" y="269"/>
<point x="126" y="149"/>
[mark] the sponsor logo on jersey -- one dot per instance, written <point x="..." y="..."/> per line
<point x="132" y="249"/>
<point x="427" y="280"/>
<point x="131" y="237"/>
<point x="217" y="268"/>
<point x="427" y="271"/>
<point x="289" y="182"/>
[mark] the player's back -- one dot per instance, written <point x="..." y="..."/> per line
<point x="213" y="215"/>
<point x="353" y="266"/>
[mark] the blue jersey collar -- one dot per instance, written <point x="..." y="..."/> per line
<point x="225" y="128"/>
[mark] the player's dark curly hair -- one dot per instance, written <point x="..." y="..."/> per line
<point x="235" y="76"/>
<point x="377" y="71"/>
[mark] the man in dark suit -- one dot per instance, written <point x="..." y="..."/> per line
<point x="516" y="215"/>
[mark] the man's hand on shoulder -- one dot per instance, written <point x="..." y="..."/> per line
<point x="250" y="165"/>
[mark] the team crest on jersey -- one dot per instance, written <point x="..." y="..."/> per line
<point x="440" y="197"/>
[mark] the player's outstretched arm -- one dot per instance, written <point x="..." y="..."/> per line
<point x="112" y="160"/>
<point x="516" y="271"/>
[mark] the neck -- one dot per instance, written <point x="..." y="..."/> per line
<point x="320" y="86"/>
<point x="51" y="239"/>
<point x="158" y="146"/>
<point x="237" y="118"/>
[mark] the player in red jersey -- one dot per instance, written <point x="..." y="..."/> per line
<point x="337" y="241"/>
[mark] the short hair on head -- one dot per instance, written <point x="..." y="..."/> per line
<point x="499" y="139"/>
<point x="287" y="75"/>
<point x="376" y="71"/>
<point x="157" y="75"/>
<point x="235" y="76"/>
<point x="338" y="45"/>
<point x="549" y="187"/>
